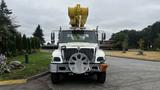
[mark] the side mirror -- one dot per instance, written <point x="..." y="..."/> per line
<point x="103" y="36"/>
<point x="52" y="38"/>
<point x="54" y="42"/>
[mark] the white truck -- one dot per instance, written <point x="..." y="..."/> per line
<point x="78" y="51"/>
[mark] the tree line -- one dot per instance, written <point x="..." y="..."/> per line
<point x="146" y="39"/>
<point x="12" y="42"/>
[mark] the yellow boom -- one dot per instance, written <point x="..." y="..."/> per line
<point x="78" y="15"/>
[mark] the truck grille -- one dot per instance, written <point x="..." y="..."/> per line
<point x="68" y="52"/>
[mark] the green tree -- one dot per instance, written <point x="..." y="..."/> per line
<point x="7" y="28"/>
<point x="118" y="39"/>
<point x="157" y="42"/>
<point x="14" y="51"/>
<point x="5" y="13"/>
<point x="28" y="45"/>
<point x="141" y="46"/>
<point x="39" y="34"/>
<point x="149" y="35"/>
<point x="12" y="46"/>
<point x="37" y="41"/>
<point x="33" y="43"/>
<point x="4" y="22"/>
<point x="19" y="43"/>
<point x="125" y="44"/>
<point x="24" y="42"/>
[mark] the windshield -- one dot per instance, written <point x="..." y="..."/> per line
<point x="78" y="36"/>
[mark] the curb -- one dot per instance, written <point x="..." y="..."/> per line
<point x="37" y="76"/>
<point x="22" y="81"/>
<point x="11" y="82"/>
<point x="134" y="58"/>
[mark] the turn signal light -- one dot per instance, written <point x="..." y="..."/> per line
<point x="103" y="67"/>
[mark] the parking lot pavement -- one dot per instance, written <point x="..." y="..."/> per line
<point x="123" y="74"/>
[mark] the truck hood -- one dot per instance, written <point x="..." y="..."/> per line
<point x="79" y="44"/>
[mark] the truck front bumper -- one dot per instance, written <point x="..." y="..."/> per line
<point x="64" y="68"/>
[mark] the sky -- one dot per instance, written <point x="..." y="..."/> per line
<point x="110" y="15"/>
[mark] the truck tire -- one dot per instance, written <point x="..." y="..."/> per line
<point x="55" y="77"/>
<point x="101" y="77"/>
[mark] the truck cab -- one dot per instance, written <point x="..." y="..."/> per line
<point x="78" y="53"/>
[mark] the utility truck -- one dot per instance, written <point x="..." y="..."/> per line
<point x="78" y="50"/>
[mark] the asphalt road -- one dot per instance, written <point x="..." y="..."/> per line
<point x="123" y="74"/>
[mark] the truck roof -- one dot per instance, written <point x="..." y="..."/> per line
<point x="72" y="29"/>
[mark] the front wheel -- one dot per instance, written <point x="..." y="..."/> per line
<point x="55" y="77"/>
<point x="101" y="77"/>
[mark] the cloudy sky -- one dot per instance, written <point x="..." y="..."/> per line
<point x="110" y="15"/>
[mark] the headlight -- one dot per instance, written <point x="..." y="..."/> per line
<point x="56" y="59"/>
<point x="100" y="59"/>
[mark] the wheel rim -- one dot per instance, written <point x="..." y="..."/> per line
<point x="79" y="63"/>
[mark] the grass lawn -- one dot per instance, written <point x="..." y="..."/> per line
<point x="38" y="62"/>
<point x="148" y="55"/>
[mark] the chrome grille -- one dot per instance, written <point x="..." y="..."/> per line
<point x="68" y="52"/>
